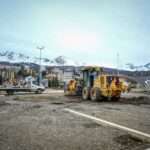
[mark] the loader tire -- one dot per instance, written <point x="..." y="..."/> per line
<point x="95" y="94"/>
<point x="86" y="93"/>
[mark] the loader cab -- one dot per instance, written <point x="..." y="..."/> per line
<point x="91" y="80"/>
<point x="89" y="76"/>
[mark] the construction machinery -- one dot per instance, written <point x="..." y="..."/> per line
<point x="73" y="87"/>
<point x="96" y="85"/>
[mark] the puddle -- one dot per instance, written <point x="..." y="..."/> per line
<point x="91" y="125"/>
<point x="57" y="103"/>
<point x="36" y="106"/>
<point x="110" y="108"/>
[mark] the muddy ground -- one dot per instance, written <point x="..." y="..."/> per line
<point x="40" y="122"/>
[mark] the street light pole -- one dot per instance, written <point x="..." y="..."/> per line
<point x="40" y="70"/>
<point x="118" y="65"/>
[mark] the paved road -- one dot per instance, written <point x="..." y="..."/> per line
<point x="41" y="122"/>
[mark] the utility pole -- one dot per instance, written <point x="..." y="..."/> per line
<point x="118" y="59"/>
<point x="40" y="70"/>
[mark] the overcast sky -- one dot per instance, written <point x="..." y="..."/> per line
<point x="90" y="31"/>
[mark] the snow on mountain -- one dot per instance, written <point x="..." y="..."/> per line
<point x="12" y="57"/>
<point x="133" y="67"/>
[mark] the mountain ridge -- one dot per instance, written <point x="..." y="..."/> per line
<point x="12" y="57"/>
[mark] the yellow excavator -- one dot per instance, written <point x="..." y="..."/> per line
<point x="96" y="85"/>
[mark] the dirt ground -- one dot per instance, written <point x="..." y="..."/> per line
<point x="40" y="122"/>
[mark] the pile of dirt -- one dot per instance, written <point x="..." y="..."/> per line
<point x="129" y="142"/>
<point x="136" y="100"/>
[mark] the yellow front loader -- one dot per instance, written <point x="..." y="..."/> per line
<point x="96" y="85"/>
<point x="73" y="87"/>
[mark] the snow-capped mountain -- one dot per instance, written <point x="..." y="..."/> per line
<point x="13" y="57"/>
<point x="133" y="67"/>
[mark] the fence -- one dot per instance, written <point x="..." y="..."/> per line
<point x="55" y="83"/>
